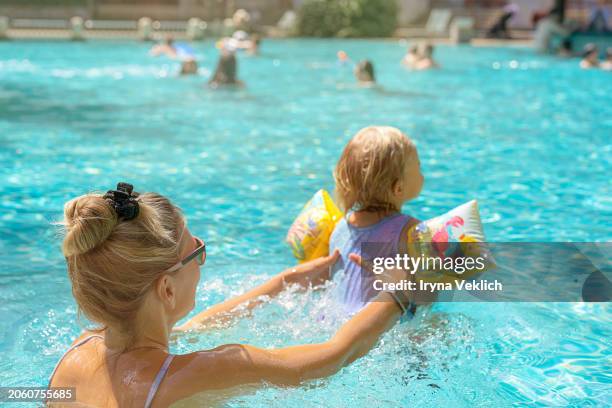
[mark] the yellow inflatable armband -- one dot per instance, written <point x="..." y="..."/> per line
<point x="309" y="234"/>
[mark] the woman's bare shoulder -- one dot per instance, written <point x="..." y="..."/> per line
<point x="210" y="371"/>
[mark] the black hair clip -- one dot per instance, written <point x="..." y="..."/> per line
<point x="123" y="201"/>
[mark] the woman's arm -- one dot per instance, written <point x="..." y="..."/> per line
<point x="293" y="365"/>
<point x="309" y="273"/>
<point x="235" y="365"/>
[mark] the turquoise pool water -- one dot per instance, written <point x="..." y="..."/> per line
<point x="528" y="136"/>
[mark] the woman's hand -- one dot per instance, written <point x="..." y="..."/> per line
<point x="312" y="273"/>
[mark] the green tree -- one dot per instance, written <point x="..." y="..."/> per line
<point x="347" y="18"/>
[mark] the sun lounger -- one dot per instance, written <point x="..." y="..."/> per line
<point x="436" y="26"/>
<point x="462" y="29"/>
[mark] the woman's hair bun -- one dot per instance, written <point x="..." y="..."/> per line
<point x="88" y="221"/>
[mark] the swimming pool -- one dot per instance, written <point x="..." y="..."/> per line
<point x="528" y="136"/>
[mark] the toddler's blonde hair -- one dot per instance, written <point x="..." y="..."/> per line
<point x="370" y="166"/>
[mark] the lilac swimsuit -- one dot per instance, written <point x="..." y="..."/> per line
<point x="354" y="288"/>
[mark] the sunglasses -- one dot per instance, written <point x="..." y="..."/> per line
<point x="199" y="254"/>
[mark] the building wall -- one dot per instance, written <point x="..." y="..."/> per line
<point x="41" y="11"/>
<point x="263" y="11"/>
<point x="412" y="12"/>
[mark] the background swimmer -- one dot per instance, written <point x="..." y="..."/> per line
<point x="189" y="67"/>
<point x="185" y="53"/>
<point x="343" y="57"/>
<point x="411" y="57"/>
<point x="226" y="71"/>
<point x="420" y="58"/>
<point x="590" y="57"/>
<point x="426" y="60"/>
<point x="166" y="47"/>
<point x="364" y="72"/>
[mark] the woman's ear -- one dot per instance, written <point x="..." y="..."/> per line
<point x="166" y="290"/>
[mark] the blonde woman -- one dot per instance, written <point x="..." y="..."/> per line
<point x="134" y="268"/>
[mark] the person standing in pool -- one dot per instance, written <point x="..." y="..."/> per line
<point x="226" y="72"/>
<point x="240" y="41"/>
<point x="134" y="266"/>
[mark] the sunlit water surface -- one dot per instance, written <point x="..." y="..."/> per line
<point x="526" y="135"/>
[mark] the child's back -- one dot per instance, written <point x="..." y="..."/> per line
<point x="378" y="172"/>
<point x="354" y="287"/>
